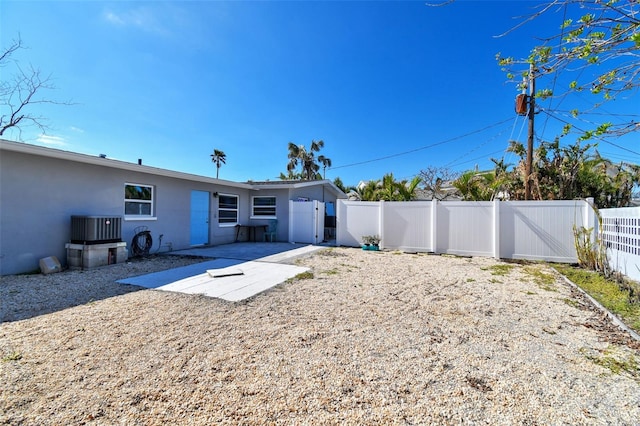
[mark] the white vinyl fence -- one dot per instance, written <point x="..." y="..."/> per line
<point x="534" y="230"/>
<point x="621" y="235"/>
<point x="306" y="222"/>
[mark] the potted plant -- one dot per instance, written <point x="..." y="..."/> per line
<point x="371" y="242"/>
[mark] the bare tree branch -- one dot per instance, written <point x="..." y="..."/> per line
<point x="20" y="92"/>
<point x="597" y="52"/>
<point x="528" y="18"/>
<point x="437" y="181"/>
<point x="15" y="45"/>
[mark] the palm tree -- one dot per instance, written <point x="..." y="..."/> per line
<point x="407" y="189"/>
<point x="298" y="154"/>
<point x="389" y="188"/>
<point x="219" y="158"/>
<point x="338" y="182"/>
<point x="368" y="191"/>
<point x="476" y="186"/>
<point x="326" y="162"/>
<point x="393" y="190"/>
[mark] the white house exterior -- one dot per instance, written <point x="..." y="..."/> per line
<point x="41" y="188"/>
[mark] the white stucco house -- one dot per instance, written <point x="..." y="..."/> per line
<point x="42" y="188"/>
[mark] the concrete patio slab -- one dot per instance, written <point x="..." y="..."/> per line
<point x="163" y="278"/>
<point x="256" y="277"/>
<point x="241" y="251"/>
<point x="250" y="277"/>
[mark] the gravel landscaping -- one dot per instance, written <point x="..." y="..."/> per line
<point x="367" y="338"/>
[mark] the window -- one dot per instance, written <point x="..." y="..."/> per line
<point x="138" y="200"/>
<point x="227" y="209"/>
<point x="264" y="207"/>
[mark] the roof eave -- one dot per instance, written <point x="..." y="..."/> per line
<point x="108" y="162"/>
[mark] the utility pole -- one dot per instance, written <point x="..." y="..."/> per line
<point x="531" y="114"/>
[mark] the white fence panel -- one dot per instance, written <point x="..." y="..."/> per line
<point x="407" y="225"/>
<point x="306" y="222"/>
<point x="534" y="230"/>
<point x="621" y="234"/>
<point x="541" y="230"/>
<point x="465" y="228"/>
<point x="355" y="219"/>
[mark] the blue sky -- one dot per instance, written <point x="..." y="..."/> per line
<point x="389" y="86"/>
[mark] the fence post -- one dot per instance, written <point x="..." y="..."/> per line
<point x="381" y="223"/>
<point x="590" y="220"/>
<point x="434" y="225"/>
<point x="496" y="228"/>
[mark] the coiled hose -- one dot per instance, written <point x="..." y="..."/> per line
<point x="141" y="243"/>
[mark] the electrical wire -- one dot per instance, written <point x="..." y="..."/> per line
<point x="484" y="157"/>
<point x="595" y="137"/>
<point x="555" y="74"/>
<point x="474" y="149"/>
<point x="422" y="147"/>
<point x="511" y="138"/>
<point x="457" y="161"/>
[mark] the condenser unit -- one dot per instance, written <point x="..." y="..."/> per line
<point x="96" y="229"/>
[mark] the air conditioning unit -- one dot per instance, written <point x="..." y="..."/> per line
<point x="96" y="229"/>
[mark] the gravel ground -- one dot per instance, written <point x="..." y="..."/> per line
<point x="371" y="338"/>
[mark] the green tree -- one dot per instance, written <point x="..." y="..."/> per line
<point x="368" y="191"/>
<point x="218" y="158"/>
<point x="291" y="175"/>
<point x="407" y="188"/>
<point x="346" y="189"/>
<point x="389" y="189"/>
<point x="596" y="51"/>
<point x="326" y="162"/>
<point x="393" y="190"/>
<point x="309" y="164"/>
<point x="338" y="182"/>
<point x="476" y="186"/>
<point x="559" y="173"/>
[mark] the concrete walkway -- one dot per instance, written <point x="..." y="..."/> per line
<point x="236" y="272"/>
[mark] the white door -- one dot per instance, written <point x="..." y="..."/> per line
<point x="306" y="222"/>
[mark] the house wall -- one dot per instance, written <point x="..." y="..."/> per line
<point x="283" y="196"/>
<point x="310" y="192"/>
<point x="282" y="211"/>
<point x="38" y="196"/>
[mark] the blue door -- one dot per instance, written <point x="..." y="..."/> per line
<point x="199" y="218"/>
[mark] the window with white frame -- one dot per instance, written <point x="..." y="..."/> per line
<point x="138" y="200"/>
<point x="227" y="209"/>
<point x="264" y="207"/>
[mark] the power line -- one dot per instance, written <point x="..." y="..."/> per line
<point x="555" y="74"/>
<point x="605" y="113"/>
<point x="475" y="148"/>
<point x="595" y="137"/>
<point x="484" y="157"/>
<point x="421" y="148"/>
<point x="622" y="158"/>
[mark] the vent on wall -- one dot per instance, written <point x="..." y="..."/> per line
<point x="96" y="229"/>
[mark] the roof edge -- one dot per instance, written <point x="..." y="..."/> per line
<point x="26" y="148"/>
<point x="299" y="184"/>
